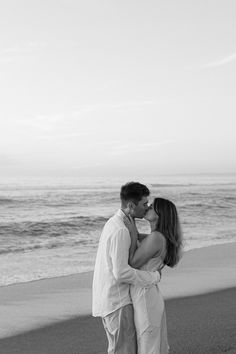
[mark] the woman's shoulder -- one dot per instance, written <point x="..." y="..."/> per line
<point x="159" y="237"/>
<point x="157" y="234"/>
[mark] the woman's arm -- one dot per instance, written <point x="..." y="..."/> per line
<point x="150" y="246"/>
<point x="133" y="246"/>
<point x="130" y="224"/>
<point x="141" y="237"/>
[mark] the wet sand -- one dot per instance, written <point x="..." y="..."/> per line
<point x="54" y="315"/>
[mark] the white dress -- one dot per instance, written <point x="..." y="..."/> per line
<point x="149" y="313"/>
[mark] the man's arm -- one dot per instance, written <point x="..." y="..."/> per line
<point x="119" y="253"/>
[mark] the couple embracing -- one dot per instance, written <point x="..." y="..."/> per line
<point x="128" y="270"/>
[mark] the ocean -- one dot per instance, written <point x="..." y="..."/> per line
<point x="51" y="227"/>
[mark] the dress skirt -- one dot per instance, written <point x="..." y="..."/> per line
<point x="150" y="320"/>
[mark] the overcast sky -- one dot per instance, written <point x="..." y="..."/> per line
<point x="113" y="87"/>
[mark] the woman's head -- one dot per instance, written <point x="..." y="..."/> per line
<point x="164" y="214"/>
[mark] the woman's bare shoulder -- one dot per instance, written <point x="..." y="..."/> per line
<point x="158" y="236"/>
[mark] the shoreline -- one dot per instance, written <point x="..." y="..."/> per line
<point x="91" y="271"/>
<point x="39" y="303"/>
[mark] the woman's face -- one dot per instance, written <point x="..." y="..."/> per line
<point x="151" y="215"/>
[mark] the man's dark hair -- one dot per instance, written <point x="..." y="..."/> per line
<point x="133" y="191"/>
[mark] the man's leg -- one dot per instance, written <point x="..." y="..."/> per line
<point x="120" y="331"/>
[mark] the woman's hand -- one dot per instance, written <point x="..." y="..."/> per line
<point x="130" y="224"/>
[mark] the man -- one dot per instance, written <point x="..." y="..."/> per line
<point x="112" y="274"/>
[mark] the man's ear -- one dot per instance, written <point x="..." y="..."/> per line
<point x="131" y="206"/>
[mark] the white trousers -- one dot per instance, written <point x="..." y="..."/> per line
<point x="120" y="331"/>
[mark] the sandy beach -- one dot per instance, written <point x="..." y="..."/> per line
<point x="54" y="315"/>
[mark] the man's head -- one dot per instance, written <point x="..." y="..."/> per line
<point x="134" y="199"/>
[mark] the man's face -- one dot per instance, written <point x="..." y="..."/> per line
<point x="141" y="208"/>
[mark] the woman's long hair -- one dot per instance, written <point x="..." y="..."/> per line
<point x="168" y="224"/>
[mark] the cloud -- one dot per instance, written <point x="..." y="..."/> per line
<point x="48" y="122"/>
<point x="23" y="48"/>
<point x="136" y="147"/>
<point x="44" y="122"/>
<point x="221" y="62"/>
<point x="62" y="136"/>
<point x="118" y="105"/>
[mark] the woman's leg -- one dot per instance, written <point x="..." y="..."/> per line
<point x="150" y="322"/>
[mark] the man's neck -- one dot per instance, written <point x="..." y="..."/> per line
<point x="125" y="211"/>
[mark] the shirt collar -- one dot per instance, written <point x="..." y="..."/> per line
<point x="120" y="213"/>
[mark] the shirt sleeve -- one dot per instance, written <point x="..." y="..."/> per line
<point x="119" y="253"/>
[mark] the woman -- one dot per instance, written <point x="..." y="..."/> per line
<point x="161" y="247"/>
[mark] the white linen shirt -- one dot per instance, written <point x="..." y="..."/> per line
<point x="112" y="274"/>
